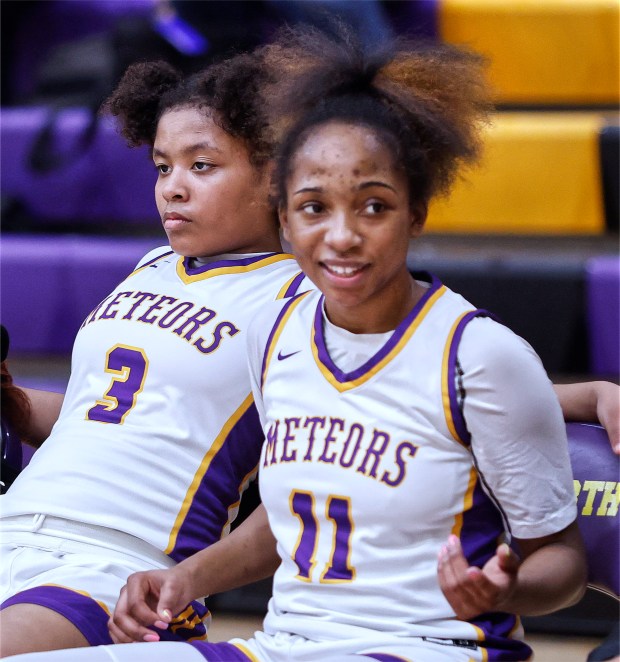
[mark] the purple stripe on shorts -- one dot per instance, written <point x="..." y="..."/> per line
<point x="498" y="644"/>
<point x="219" y="488"/>
<point x="384" y="657"/>
<point x="399" y="332"/>
<point x="84" y="612"/>
<point x="222" y="652"/>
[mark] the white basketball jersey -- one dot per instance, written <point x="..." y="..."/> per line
<point x="158" y="434"/>
<point x="366" y="474"/>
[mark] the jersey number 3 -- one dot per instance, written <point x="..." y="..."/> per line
<point x="129" y="366"/>
<point x="338" y="510"/>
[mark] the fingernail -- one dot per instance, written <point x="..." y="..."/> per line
<point x="166" y="614"/>
<point x="453" y="541"/>
<point x="151" y="637"/>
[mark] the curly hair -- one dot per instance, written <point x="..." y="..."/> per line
<point x="428" y="102"/>
<point x="227" y="92"/>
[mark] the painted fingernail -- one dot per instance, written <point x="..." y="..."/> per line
<point x="167" y="615"/>
<point x="162" y="625"/>
<point x="151" y="637"/>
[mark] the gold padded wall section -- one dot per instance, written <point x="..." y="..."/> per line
<point x="563" y="52"/>
<point x="540" y="174"/>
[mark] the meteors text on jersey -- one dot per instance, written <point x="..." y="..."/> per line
<point x="331" y="440"/>
<point x="183" y="318"/>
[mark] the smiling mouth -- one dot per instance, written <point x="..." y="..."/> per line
<point x="343" y="271"/>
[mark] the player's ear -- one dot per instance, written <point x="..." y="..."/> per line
<point x="283" y="222"/>
<point x="418" y="216"/>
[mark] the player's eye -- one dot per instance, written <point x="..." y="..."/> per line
<point x="202" y="166"/>
<point x="374" y="207"/>
<point x="312" y="208"/>
<point x="162" y="168"/>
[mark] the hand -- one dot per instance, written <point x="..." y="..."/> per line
<point x="608" y="411"/>
<point x="149" y="598"/>
<point x="470" y="590"/>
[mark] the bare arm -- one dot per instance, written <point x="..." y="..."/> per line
<point x="44" y="411"/>
<point x="29" y="413"/>
<point x="595" y="402"/>
<point x="154" y="597"/>
<point x="552" y="576"/>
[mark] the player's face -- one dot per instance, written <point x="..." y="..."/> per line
<point x="210" y="198"/>
<point x="349" y="222"/>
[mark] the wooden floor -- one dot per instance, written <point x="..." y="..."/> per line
<point x="547" y="648"/>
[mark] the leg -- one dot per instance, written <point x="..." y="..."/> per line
<point x="161" y="651"/>
<point x="26" y="628"/>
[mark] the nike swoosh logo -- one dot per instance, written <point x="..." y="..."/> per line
<point x="281" y="356"/>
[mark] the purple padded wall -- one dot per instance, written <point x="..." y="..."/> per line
<point x="49" y="284"/>
<point x="603" y="310"/>
<point x="104" y="182"/>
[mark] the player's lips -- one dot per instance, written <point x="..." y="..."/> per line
<point x="173" y="220"/>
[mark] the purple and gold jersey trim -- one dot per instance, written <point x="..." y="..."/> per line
<point x="190" y="274"/>
<point x="150" y="262"/>
<point x="274" y="335"/>
<point x="205" y="513"/>
<point x="88" y="615"/>
<point x="477" y="527"/>
<point x="344" y="381"/>
<point x="386" y="657"/>
<point x="224" y="652"/>
<point x="291" y="286"/>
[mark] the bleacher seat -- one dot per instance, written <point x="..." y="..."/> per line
<point x="540" y="174"/>
<point x="542" y="52"/>
<point x="77" y="177"/>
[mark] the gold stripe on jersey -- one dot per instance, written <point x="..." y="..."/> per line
<point x="202" y="469"/>
<point x="238" y="269"/>
<point x="445" y="387"/>
<point x="468" y="501"/>
<point x="346" y="386"/>
<point x="284" y="288"/>
<point x="278" y="331"/>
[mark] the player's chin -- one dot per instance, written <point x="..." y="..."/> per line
<point x="182" y="245"/>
